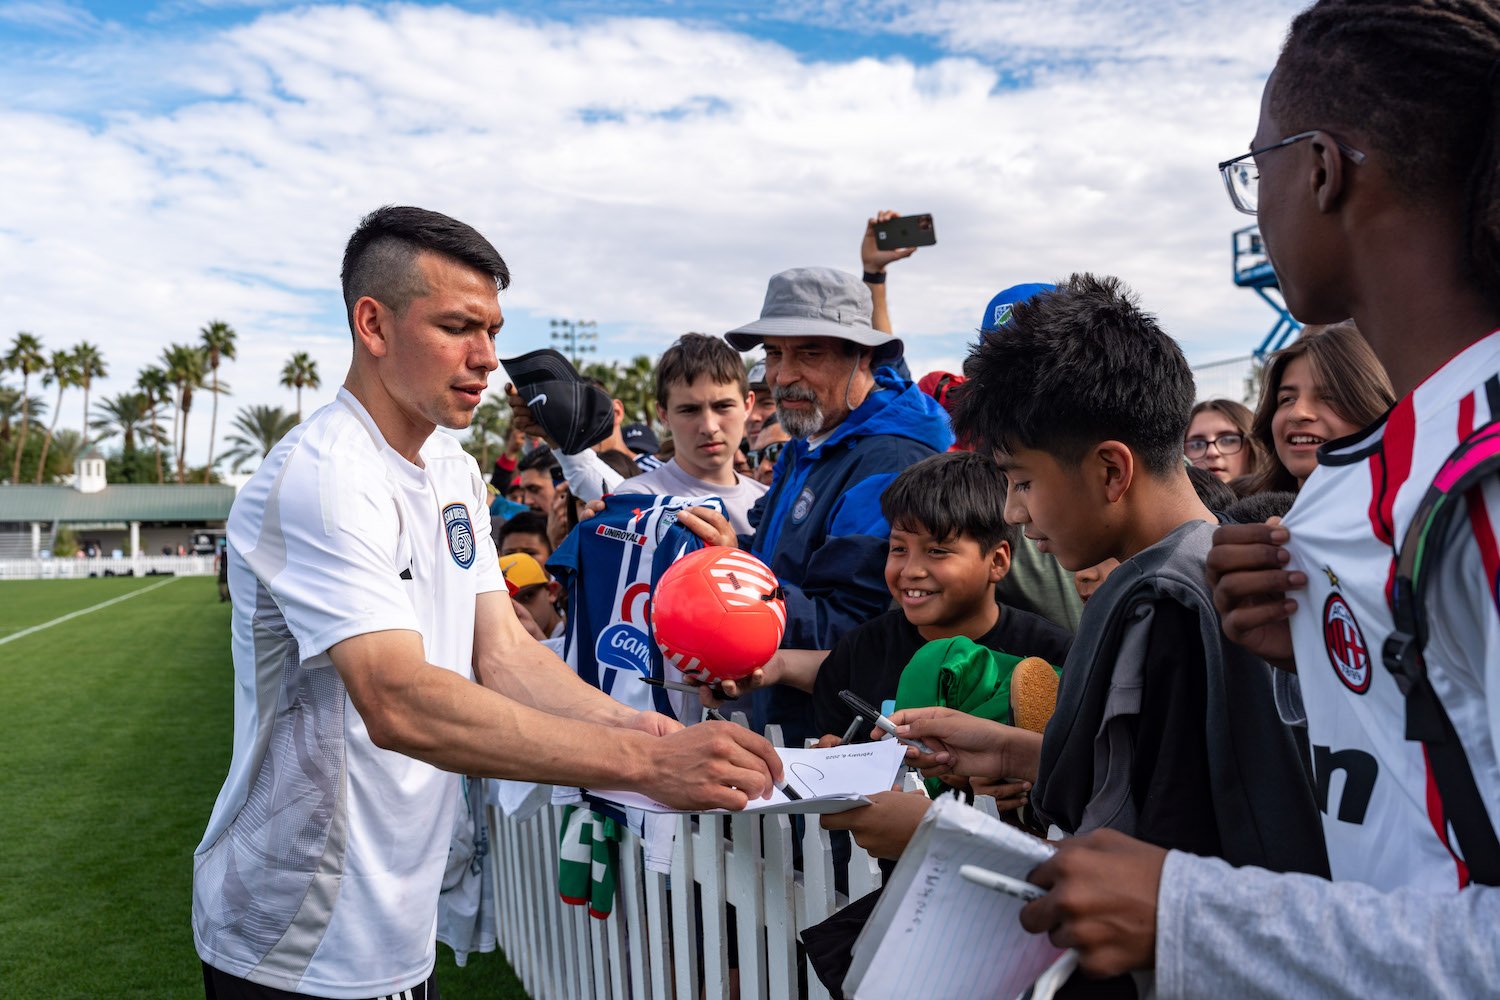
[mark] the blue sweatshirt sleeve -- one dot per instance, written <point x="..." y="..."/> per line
<point x="845" y="581"/>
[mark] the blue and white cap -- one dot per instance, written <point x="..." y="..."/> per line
<point x="997" y="313"/>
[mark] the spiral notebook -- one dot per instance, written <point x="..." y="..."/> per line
<point x="934" y="934"/>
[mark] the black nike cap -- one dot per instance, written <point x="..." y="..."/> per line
<point x="572" y="412"/>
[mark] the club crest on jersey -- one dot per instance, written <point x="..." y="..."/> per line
<point x="460" y="534"/>
<point x="803" y="506"/>
<point x="1347" y="650"/>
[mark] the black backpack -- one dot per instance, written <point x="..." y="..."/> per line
<point x="1421" y="552"/>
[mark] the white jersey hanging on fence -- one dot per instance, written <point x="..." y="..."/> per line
<point x="609" y="565"/>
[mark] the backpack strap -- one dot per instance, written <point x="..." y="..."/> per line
<point x="1476" y="458"/>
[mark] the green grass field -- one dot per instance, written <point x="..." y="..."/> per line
<point x="115" y="740"/>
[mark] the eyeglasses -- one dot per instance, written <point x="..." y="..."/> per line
<point x="1242" y="177"/>
<point x="1228" y="444"/>
<point x="767" y="454"/>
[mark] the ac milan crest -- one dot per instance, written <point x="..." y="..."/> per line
<point x="1347" y="649"/>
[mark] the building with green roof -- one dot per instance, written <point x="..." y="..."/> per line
<point x="132" y="519"/>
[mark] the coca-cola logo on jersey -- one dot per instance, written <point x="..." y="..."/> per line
<point x="1347" y="650"/>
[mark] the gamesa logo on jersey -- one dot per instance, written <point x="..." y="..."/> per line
<point x="623" y="647"/>
<point x="460" y="534"/>
<point x="1347" y="650"/>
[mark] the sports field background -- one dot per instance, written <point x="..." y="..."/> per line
<point x="114" y="741"/>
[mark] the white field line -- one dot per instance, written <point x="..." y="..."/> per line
<point x="74" y="614"/>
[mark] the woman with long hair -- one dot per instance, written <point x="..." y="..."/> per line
<point x="1325" y="385"/>
<point x="1219" y="441"/>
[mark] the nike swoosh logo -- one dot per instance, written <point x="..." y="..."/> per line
<point x="540" y="397"/>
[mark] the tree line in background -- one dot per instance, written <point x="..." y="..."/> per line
<point x="147" y="453"/>
<point x="33" y="449"/>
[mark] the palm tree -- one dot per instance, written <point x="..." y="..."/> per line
<point x="300" y="371"/>
<point x="257" y="429"/>
<point x="157" y="388"/>
<point x="186" y="367"/>
<point x="10" y="409"/>
<point x="218" y="344"/>
<point x="25" y="356"/>
<point x="90" y="364"/>
<point x="635" y="388"/>
<point x="62" y="369"/>
<point x="488" y="422"/>
<point x="126" y="414"/>
<point x="66" y="447"/>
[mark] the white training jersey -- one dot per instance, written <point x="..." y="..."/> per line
<point x="1382" y="817"/>
<point x="323" y="859"/>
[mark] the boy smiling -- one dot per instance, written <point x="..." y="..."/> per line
<point x="949" y="547"/>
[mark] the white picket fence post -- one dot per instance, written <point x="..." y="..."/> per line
<point x="69" y="568"/>
<point x="650" y="946"/>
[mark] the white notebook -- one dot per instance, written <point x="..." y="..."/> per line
<point x="935" y="934"/>
<point x="829" y="781"/>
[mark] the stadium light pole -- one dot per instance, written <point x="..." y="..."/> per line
<point x="575" y="337"/>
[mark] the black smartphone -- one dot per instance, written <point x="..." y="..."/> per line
<point x="905" y="231"/>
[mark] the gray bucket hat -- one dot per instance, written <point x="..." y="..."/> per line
<point x="817" y="302"/>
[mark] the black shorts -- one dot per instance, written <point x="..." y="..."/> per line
<point x="219" y="985"/>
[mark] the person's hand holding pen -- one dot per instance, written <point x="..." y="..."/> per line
<point x="968" y="745"/>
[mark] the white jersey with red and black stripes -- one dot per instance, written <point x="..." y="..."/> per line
<point x="1382" y="817"/>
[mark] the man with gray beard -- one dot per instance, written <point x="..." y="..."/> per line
<point x="855" y="425"/>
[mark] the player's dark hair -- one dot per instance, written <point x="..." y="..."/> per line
<point x="1212" y="492"/>
<point x="528" y="522"/>
<point x="1260" y="508"/>
<point x="1076" y="366"/>
<point x="1347" y="375"/>
<point x="1421" y="79"/>
<point x="695" y="355"/>
<point x="380" y="259"/>
<point x="952" y="494"/>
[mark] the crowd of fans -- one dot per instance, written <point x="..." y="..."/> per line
<point x="1234" y="661"/>
<point x="893" y="511"/>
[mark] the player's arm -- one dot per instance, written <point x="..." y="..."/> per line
<point x="512" y="663"/>
<point x="412" y="707"/>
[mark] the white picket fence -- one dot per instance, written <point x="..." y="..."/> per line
<point x="69" y="568"/>
<point x="649" y="947"/>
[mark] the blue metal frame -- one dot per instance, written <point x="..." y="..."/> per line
<point x="1252" y="269"/>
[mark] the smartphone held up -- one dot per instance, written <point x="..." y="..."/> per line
<point x="905" y="231"/>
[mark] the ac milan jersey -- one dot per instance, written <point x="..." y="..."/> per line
<point x="1382" y="816"/>
<point x="609" y="564"/>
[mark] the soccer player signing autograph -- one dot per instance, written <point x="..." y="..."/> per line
<point x="375" y="650"/>
<point x="1375" y="176"/>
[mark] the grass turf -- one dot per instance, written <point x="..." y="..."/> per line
<point x="116" y="740"/>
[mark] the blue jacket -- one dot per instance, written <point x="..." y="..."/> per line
<point x="820" y="528"/>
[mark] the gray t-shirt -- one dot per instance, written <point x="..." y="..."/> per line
<point x="672" y="480"/>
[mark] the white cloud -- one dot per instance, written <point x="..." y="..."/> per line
<point x="49" y="15"/>
<point x="644" y="173"/>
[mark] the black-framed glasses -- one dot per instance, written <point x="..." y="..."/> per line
<point x="1242" y="177"/>
<point x="769" y="454"/>
<point x="1228" y="444"/>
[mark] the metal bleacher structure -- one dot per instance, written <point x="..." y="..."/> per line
<point x="1234" y="378"/>
<point x="1252" y="270"/>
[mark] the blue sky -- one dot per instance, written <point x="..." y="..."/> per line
<point x="644" y="165"/>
